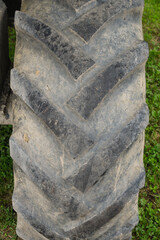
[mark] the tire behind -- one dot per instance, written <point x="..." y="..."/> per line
<point x="4" y="59"/>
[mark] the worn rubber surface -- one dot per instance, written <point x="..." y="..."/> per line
<point x="4" y="59"/>
<point x="79" y="118"/>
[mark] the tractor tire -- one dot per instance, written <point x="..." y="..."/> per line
<point x="4" y="57"/>
<point x="79" y="115"/>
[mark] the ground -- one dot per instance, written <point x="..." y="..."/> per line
<point x="149" y="200"/>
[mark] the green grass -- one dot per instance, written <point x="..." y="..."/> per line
<point x="149" y="200"/>
<point x="12" y="39"/>
<point x="7" y="215"/>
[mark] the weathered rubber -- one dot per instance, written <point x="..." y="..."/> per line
<point x="79" y="118"/>
<point x="4" y="58"/>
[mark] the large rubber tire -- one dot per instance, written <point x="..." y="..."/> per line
<point x="4" y="58"/>
<point x="79" y="118"/>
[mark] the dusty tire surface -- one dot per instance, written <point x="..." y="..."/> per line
<point x="4" y="59"/>
<point x="79" y="118"/>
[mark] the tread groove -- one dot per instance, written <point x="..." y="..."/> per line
<point x="87" y="99"/>
<point x="74" y="139"/>
<point x="73" y="58"/>
<point x="109" y="213"/>
<point x="106" y="157"/>
<point x="88" y="24"/>
<point x="51" y="185"/>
